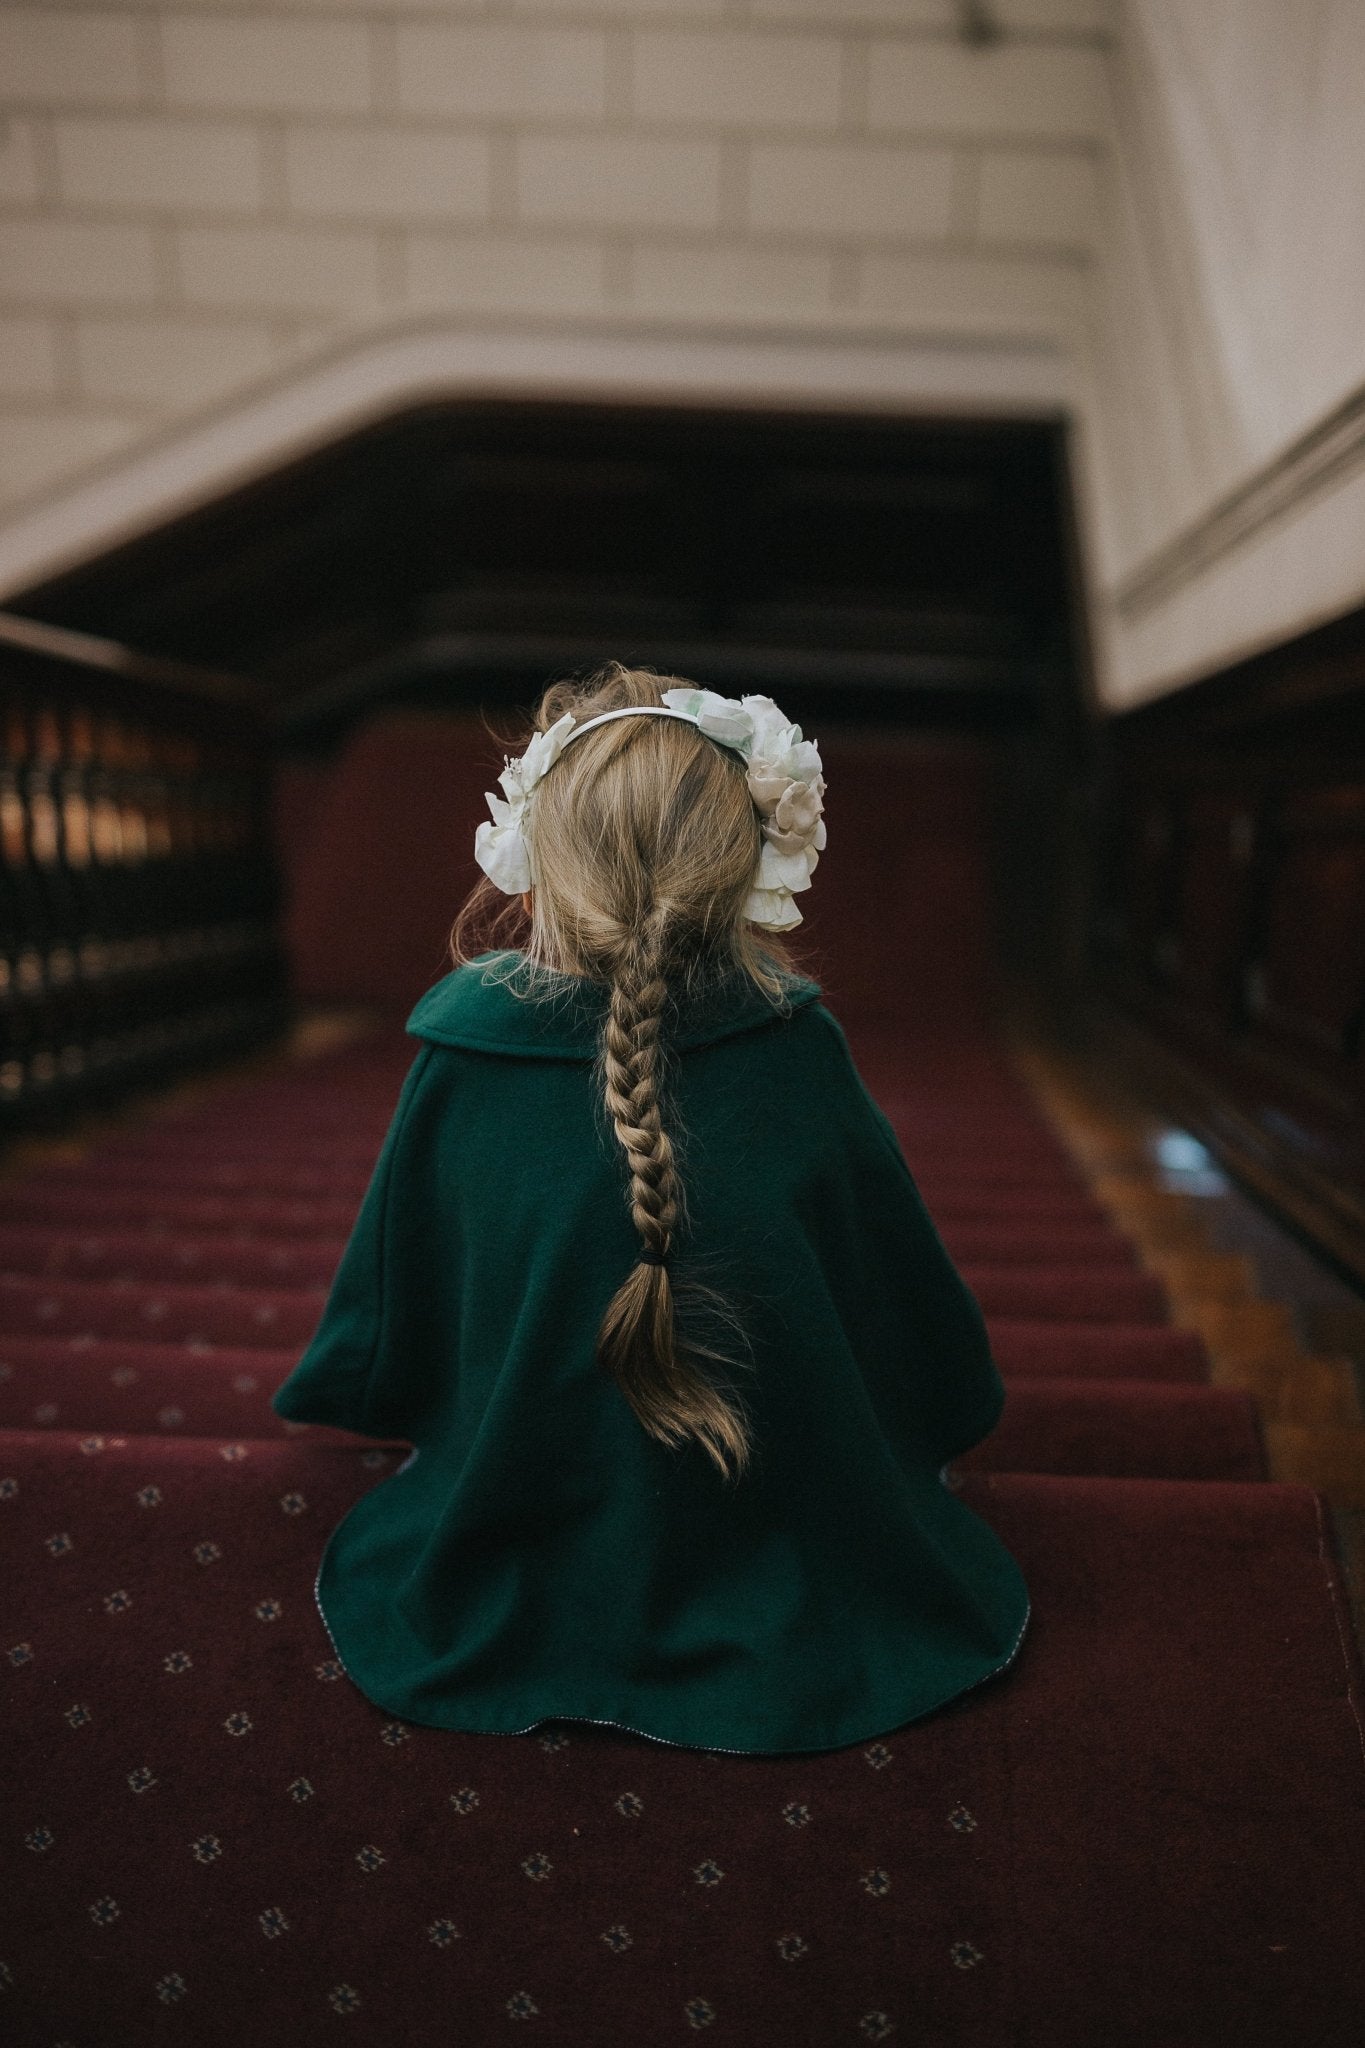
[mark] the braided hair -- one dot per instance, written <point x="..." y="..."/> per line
<point x="644" y="846"/>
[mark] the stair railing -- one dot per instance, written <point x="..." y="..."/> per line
<point x="138" y="892"/>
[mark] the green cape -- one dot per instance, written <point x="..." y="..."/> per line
<point x="541" y="1557"/>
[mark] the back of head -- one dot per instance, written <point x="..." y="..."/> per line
<point x="644" y="843"/>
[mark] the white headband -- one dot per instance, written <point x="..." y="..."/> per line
<point x="784" y="775"/>
<point x="633" y="711"/>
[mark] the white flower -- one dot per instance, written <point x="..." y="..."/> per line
<point x="768" y="723"/>
<point x="721" y="718"/>
<point x="502" y="853"/>
<point x="786" y="757"/>
<point x="773" y="909"/>
<point x="520" y="777"/>
<point x="500" y="847"/>
<point x="779" y="870"/>
<point x="785" y="781"/>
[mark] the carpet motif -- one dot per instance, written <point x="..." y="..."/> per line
<point x="210" y="1836"/>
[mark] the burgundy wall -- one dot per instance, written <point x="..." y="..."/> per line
<point x="378" y="853"/>
<point x="375" y="878"/>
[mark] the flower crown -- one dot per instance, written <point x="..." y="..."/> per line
<point x="784" y="777"/>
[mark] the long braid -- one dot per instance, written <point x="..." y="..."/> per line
<point x="631" y="1063"/>
<point x="638" y="1342"/>
<point x="644" y="841"/>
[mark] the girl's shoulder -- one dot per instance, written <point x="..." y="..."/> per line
<point x="492" y="1005"/>
<point x="488" y="1005"/>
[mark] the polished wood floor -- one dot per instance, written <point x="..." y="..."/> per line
<point x="1277" y="1321"/>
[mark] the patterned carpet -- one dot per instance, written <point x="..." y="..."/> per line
<point x="1148" y="1831"/>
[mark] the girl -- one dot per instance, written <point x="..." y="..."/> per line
<point x="680" y="1458"/>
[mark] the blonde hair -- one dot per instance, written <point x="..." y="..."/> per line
<point x="644" y="845"/>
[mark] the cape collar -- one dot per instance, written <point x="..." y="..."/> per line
<point x="474" y="1009"/>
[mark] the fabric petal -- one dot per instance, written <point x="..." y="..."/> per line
<point x="502" y="853"/>
<point x="544" y="750"/>
<point x="785" y="842"/>
<point x="773" y="909"/>
<point x="725" y="720"/>
<point x="802" y="757"/>
<point x="767" y="785"/>
<point x="779" y="870"/>
<point x="769" y="724"/>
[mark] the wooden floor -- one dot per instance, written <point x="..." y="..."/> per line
<point x="1276" y="1322"/>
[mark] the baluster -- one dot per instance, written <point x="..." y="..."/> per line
<point x="136" y="901"/>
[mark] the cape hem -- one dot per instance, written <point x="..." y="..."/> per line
<point x="882" y="1727"/>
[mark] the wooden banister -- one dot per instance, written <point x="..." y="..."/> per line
<point x="137" y="884"/>
<point x="92" y="654"/>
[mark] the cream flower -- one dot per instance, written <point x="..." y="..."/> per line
<point x="772" y="909"/>
<point x="784" y="777"/>
<point x="780" y="869"/>
<point x="767" y="787"/>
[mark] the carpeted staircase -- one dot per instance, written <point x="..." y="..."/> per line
<point x="1149" y="1831"/>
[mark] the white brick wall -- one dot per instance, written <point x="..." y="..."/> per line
<point x="371" y="173"/>
<point x="42" y="446"/>
<point x="1005" y="89"/>
<point x="731" y="278"/>
<point x="28" y="356"/>
<point x="489" y="272"/>
<point x="735" y="80"/>
<point x="267" y="66"/>
<point x="920" y="15"/>
<point x="148" y="163"/>
<point x="150" y="362"/>
<point x="1037" y="197"/>
<point x="855" y="192"/>
<point x="70" y="59"/>
<point x="284" y="269"/>
<point x="18" y="161"/>
<point x="70" y="263"/>
<point x="192" y="190"/>
<point x="619" y="180"/>
<point x="1003" y="296"/>
<point x="502" y="71"/>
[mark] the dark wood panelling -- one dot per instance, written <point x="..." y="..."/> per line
<point x="1306" y="983"/>
<point x="931" y="547"/>
<point x="1229" y="831"/>
<point x="137" y="889"/>
<point x="886" y="571"/>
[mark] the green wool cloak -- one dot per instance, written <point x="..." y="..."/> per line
<point x="542" y="1557"/>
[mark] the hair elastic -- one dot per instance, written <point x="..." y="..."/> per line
<point x="649" y="1257"/>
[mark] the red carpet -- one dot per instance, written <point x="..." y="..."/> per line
<point x="1148" y="1833"/>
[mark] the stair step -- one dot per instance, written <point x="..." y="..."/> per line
<point x="1119" y="1427"/>
<point x="1178" y="1629"/>
<point x="1123" y="1429"/>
